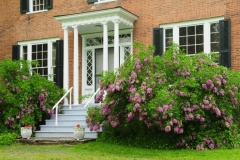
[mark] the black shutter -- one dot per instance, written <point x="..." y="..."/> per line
<point x="24" y="6"/>
<point x="15" y="52"/>
<point x="158" y="41"/>
<point x="92" y="1"/>
<point x="225" y="42"/>
<point x="59" y="64"/>
<point x="48" y="4"/>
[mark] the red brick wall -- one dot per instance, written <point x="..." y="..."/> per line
<point x="16" y="27"/>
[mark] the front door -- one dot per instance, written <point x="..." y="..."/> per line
<point x="99" y="64"/>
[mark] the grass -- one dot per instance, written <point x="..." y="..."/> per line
<point x="104" y="151"/>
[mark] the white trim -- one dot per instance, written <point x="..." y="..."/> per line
<point x="189" y="23"/>
<point x="37" y="41"/>
<point x="104" y="1"/>
<point x="206" y="24"/>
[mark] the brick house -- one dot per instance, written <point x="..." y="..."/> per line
<point x="74" y="40"/>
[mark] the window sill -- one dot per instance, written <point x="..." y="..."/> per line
<point x="36" y="12"/>
<point x="106" y="1"/>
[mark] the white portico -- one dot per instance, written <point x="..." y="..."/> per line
<point x="106" y="41"/>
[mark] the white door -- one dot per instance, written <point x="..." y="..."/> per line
<point x="99" y="64"/>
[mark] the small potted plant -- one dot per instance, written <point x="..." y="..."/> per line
<point x="79" y="132"/>
<point x="26" y="131"/>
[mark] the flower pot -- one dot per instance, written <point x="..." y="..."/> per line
<point x="79" y="133"/>
<point x="26" y="132"/>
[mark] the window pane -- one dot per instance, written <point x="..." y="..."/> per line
<point x="199" y="29"/>
<point x="215" y="37"/>
<point x="182" y="41"/>
<point x="169" y="32"/>
<point x="39" y="55"/>
<point x="182" y="31"/>
<point x="191" y="30"/>
<point x="215" y="27"/>
<point x="199" y="48"/>
<point x="33" y="56"/>
<point x="34" y="48"/>
<point x="39" y="47"/>
<point x="191" y="50"/>
<point x="199" y="39"/>
<point x="44" y="47"/>
<point x="215" y="47"/>
<point x="191" y="40"/>
<point x="168" y="42"/>
<point x="44" y="55"/>
<point x="44" y="63"/>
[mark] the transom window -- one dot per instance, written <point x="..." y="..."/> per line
<point x="104" y="1"/>
<point x="193" y="36"/>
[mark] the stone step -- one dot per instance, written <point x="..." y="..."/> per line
<point x="69" y="117"/>
<point x="74" y="111"/>
<point x="53" y="141"/>
<point x="82" y="122"/>
<point x="66" y="134"/>
<point x="61" y="128"/>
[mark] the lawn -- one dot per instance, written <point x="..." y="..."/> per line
<point x="100" y="150"/>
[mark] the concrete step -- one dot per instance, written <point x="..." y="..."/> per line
<point x="64" y="134"/>
<point x="70" y="116"/>
<point x="82" y="122"/>
<point x="61" y="128"/>
<point x="74" y="111"/>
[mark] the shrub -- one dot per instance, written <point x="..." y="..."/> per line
<point x="171" y="101"/>
<point x="24" y="98"/>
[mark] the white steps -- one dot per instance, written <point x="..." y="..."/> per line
<point x="66" y="123"/>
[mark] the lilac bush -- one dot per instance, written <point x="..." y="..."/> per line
<point x="24" y="99"/>
<point x="191" y="100"/>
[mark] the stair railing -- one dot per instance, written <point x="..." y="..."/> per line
<point x="56" y="105"/>
<point x="92" y="98"/>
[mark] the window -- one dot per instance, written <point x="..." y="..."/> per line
<point x="42" y="51"/>
<point x="32" y="6"/>
<point x="193" y="36"/>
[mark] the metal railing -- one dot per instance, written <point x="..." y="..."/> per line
<point x="56" y="105"/>
<point x="92" y="98"/>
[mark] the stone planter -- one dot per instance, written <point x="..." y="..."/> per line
<point x="79" y="133"/>
<point x="26" y="132"/>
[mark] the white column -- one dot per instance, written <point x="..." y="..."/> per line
<point x="116" y="44"/>
<point x="75" y="67"/>
<point x="206" y="39"/>
<point x="65" y="63"/>
<point x="105" y="46"/>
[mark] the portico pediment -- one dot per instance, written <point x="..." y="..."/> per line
<point x="88" y="21"/>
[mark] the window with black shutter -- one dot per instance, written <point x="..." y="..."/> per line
<point x="158" y="41"/>
<point x="24" y="6"/>
<point x="59" y="64"/>
<point x="225" y="43"/>
<point x="15" y="52"/>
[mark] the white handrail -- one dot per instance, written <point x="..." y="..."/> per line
<point x="92" y="97"/>
<point x="56" y="105"/>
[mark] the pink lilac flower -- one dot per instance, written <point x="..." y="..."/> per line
<point x="231" y="93"/>
<point x="204" y="86"/>
<point x="227" y="124"/>
<point x="198" y="116"/>
<point x="224" y="81"/>
<point x="235" y="101"/>
<point x="222" y="92"/>
<point x="202" y="119"/>
<point x="167" y="129"/>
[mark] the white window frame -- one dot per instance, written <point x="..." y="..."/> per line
<point x="31" y="8"/>
<point x="29" y="44"/>
<point x="206" y="30"/>
<point x="104" y="1"/>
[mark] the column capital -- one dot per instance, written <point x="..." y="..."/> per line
<point x="65" y="27"/>
<point x="116" y="21"/>
<point x="75" y="26"/>
<point x="104" y="22"/>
